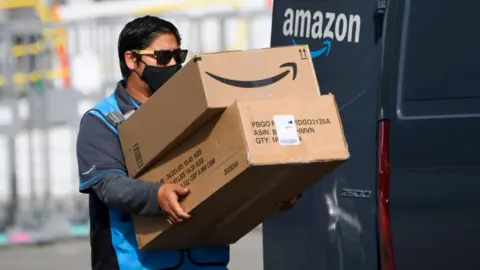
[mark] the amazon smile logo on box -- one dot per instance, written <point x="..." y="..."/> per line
<point x="258" y="83"/>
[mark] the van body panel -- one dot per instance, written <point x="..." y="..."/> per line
<point x="333" y="225"/>
<point x="419" y="70"/>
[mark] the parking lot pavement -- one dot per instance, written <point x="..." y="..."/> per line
<point x="75" y="255"/>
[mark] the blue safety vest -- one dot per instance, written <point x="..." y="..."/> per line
<point x="123" y="234"/>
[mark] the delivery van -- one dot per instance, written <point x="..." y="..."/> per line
<point x="405" y="76"/>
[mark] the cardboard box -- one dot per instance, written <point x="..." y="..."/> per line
<point x="241" y="164"/>
<point x="203" y="88"/>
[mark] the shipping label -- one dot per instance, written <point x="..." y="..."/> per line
<point x="267" y="131"/>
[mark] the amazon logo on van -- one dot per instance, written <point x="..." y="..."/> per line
<point x="322" y="29"/>
<point x="291" y="68"/>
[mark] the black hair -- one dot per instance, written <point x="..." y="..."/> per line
<point x="139" y="34"/>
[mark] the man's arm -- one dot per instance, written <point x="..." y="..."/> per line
<point x="128" y="195"/>
<point x="102" y="170"/>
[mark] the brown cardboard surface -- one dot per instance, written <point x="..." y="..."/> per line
<point x="237" y="170"/>
<point x="203" y="88"/>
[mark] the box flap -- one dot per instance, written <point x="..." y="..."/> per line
<point x="165" y="101"/>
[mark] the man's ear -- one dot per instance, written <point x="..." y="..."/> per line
<point x="130" y="60"/>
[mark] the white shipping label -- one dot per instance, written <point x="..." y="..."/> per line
<point x="286" y="130"/>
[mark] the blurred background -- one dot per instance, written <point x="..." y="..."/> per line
<point x="57" y="59"/>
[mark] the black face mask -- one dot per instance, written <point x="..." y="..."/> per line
<point x="155" y="76"/>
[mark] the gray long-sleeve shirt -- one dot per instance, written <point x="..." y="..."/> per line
<point x="130" y="196"/>
<point x="101" y="166"/>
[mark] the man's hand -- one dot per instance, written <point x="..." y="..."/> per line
<point x="288" y="204"/>
<point x="168" y="196"/>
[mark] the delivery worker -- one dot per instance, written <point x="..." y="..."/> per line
<point x="149" y="54"/>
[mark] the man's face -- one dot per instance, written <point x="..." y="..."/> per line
<point x="162" y="42"/>
<point x="137" y="62"/>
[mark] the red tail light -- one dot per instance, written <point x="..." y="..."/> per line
<point x="385" y="245"/>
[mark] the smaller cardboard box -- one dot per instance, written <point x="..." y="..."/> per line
<point x="203" y="88"/>
<point x="241" y="164"/>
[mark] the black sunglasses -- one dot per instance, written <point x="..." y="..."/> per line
<point x="164" y="57"/>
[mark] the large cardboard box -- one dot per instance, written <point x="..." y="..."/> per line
<point x="241" y="164"/>
<point x="203" y="88"/>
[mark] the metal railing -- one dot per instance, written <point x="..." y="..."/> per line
<point x="50" y="74"/>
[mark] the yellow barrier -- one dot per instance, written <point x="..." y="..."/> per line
<point x="36" y="76"/>
<point x="28" y="49"/>
<point x="38" y="5"/>
<point x="19" y="50"/>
